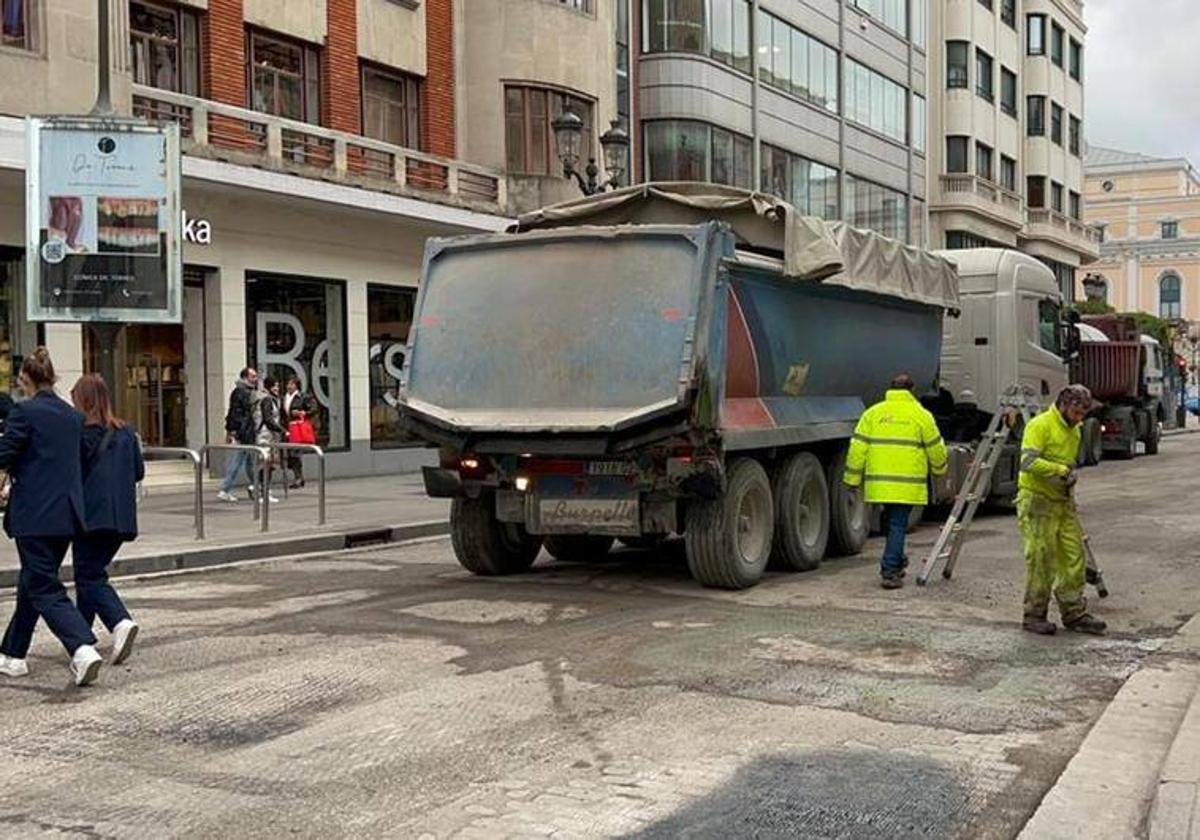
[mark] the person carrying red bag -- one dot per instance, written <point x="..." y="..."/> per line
<point x="298" y="407"/>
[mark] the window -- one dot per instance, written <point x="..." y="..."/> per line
<point x="164" y="47"/>
<point x="983" y="161"/>
<point x="891" y="13"/>
<point x="875" y="101"/>
<point x="956" y="154"/>
<point x="987" y="4"/>
<point x="1076" y="60"/>
<point x="984" y="81"/>
<point x="791" y="61"/>
<point x="958" y="240"/>
<point x="1008" y="91"/>
<point x="1056" y="123"/>
<point x="391" y="104"/>
<point x="1008" y="173"/>
<point x="1170" y="297"/>
<point x="876" y="207"/>
<point x="18" y="24"/>
<point x="1102" y="230"/>
<point x="1035" y="193"/>
<point x="919" y="23"/>
<point x="297" y="327"/>
<point x="719" y="28"/>
<point x="956" y="64"/>
<point x="1073" y="137"/>
<point x="810" y="186"/>
<point x="1074" y="205"/>
<point x="1049" y="326"/>
<point x="1056" y="44"/>
<point x="624" y="97"/>
<point x="1008" y="12"/>
<point x="1035" y="34"/>
<point x="389" y="318"/>
<point x="586" y="6"/>
<point x="1035" y="116"/>
<point x="1056" y="196"/>
<point x="285" y="78"/>
<point x="918" y="123"/>
<point x="687" y="150"/>
<point x="528" y="138"/>
<point x="1170" y="230"/>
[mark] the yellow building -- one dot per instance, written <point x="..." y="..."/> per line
<point x="1148" y="210"/>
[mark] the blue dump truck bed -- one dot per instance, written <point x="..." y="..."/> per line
<point x="585" y="382"/>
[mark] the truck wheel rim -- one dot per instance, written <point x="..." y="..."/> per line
<point x="808" y="512"/>
<point x="751" y="534"/>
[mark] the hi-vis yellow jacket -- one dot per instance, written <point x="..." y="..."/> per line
<point x="895" y="447"/>
<point x="1049" y="449"/>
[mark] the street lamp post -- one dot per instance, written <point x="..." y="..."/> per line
<point x="568" y="140"/>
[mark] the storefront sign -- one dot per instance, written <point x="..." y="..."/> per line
<point x="196" y="231"/>
<point x="104" y="221"/>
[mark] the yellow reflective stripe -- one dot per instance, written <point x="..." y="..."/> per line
<point x="896" y="479"/>
<point x="875" y="441"/>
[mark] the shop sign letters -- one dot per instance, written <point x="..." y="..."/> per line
<point x="196" y="231"/>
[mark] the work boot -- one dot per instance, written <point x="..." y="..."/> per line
<point x="1087" y="623"/>
<point x="1040" y="626"/>
<point x="892" y="580"/>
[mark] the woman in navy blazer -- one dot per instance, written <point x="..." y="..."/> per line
<point x="41" y="449"/>
<point x="112" y="467"/>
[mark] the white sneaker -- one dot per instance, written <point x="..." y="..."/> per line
<point x="10" y="666"/>
<point x="85" y="665"/>
<point x="274" y="499"/>
<point x="226" y="497"/>
<point x="123" y="635"/>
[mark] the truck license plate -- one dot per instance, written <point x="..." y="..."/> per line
<point x="597" y="516"/>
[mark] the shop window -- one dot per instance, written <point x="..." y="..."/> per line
<point x="389" y="318"/>
<point x="164" y="47"/>
<point x="528" y="137"/>
<point x="284" y="78"/>
<point x="18" y="337"/>
<point x="18" y="20"/>
<point x="297" y="327"/>
<point x="391" y="104"/>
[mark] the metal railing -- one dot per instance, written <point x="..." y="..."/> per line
<point x="262" y="481"/>
<point x="170" y="453"/>
<point x="312" y="449"/>
<point x="225" y="131"/>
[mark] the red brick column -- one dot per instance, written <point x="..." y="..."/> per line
<point x="437" y="105"/>
<point x="223" y="43"/>
<point x="341" y="106"/>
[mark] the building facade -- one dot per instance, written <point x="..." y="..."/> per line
<point x="1007" y="118"/>
<point x="1148" y="212"/>
<point x="321" y="146"/>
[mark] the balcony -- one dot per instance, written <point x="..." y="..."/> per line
<point x="1062" y="229"/>
<point x="237" y="135"/>
<point x="970" y="192"/>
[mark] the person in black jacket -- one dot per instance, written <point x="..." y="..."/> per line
<point x="42" y="448"/>
<point x="240" y="428"/>
<point x="112" y="467"/>
<point x="297" y="405"/>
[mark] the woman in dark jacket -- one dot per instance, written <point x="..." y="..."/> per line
<point x="112" y="467"/>
<point x="40" y="449"/>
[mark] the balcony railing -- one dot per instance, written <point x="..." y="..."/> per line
<point x="226" y="132"/>
<point x="1062" y="223"/>
<point x="954" y="186"/>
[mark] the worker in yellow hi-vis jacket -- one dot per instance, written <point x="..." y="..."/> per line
<point x="1050" y="529"/>
<point x="894" y="449"/>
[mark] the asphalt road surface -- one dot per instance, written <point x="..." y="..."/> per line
<point x="388" y="693"/>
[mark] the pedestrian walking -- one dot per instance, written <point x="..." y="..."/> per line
<point x="240" y="428"/>
<point x="267" y="419"/>
<point x="298" y="408"/>
<point x="895" y="448"/>
<point x="1050" y="530"/>
<point x="112" y="467"/>
<point x="41" y="449"/>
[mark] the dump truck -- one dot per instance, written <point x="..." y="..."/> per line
<point x="664" y="359"/>
<point x="1126" y="372"/>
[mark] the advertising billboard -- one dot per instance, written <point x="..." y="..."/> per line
<point x="103" y="221"/>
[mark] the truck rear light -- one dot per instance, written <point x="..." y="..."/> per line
<point x="522" y="483"/>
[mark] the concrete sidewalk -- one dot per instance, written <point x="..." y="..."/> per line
<point x="358" y="510"/>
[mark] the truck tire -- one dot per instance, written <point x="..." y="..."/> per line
<point x="728" y="540"/>
<point x="801" y="513"/>
<point x="579" y="548"/>
<point x="848" y="521"/>
<point x="1092" y="451"/>
<point x="1153" y="437"/>
<point x="486" y="546"/>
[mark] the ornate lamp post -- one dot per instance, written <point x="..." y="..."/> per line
<point x="568" y="140"/>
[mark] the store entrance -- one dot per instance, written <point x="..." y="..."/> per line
<point x="161" y="393"/>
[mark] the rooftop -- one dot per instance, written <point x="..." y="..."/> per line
<point x="1098" y="156"/>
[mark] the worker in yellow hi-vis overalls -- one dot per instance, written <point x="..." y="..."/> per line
<point x="1050" y="529"/>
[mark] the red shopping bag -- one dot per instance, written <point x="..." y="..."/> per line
<point x="301" y="430"/>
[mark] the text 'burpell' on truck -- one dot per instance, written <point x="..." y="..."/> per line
<point x="665" y="359"/>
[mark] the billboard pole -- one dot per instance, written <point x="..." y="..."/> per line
<point x="104" y="106"/>
<point x="105" y="335"/>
